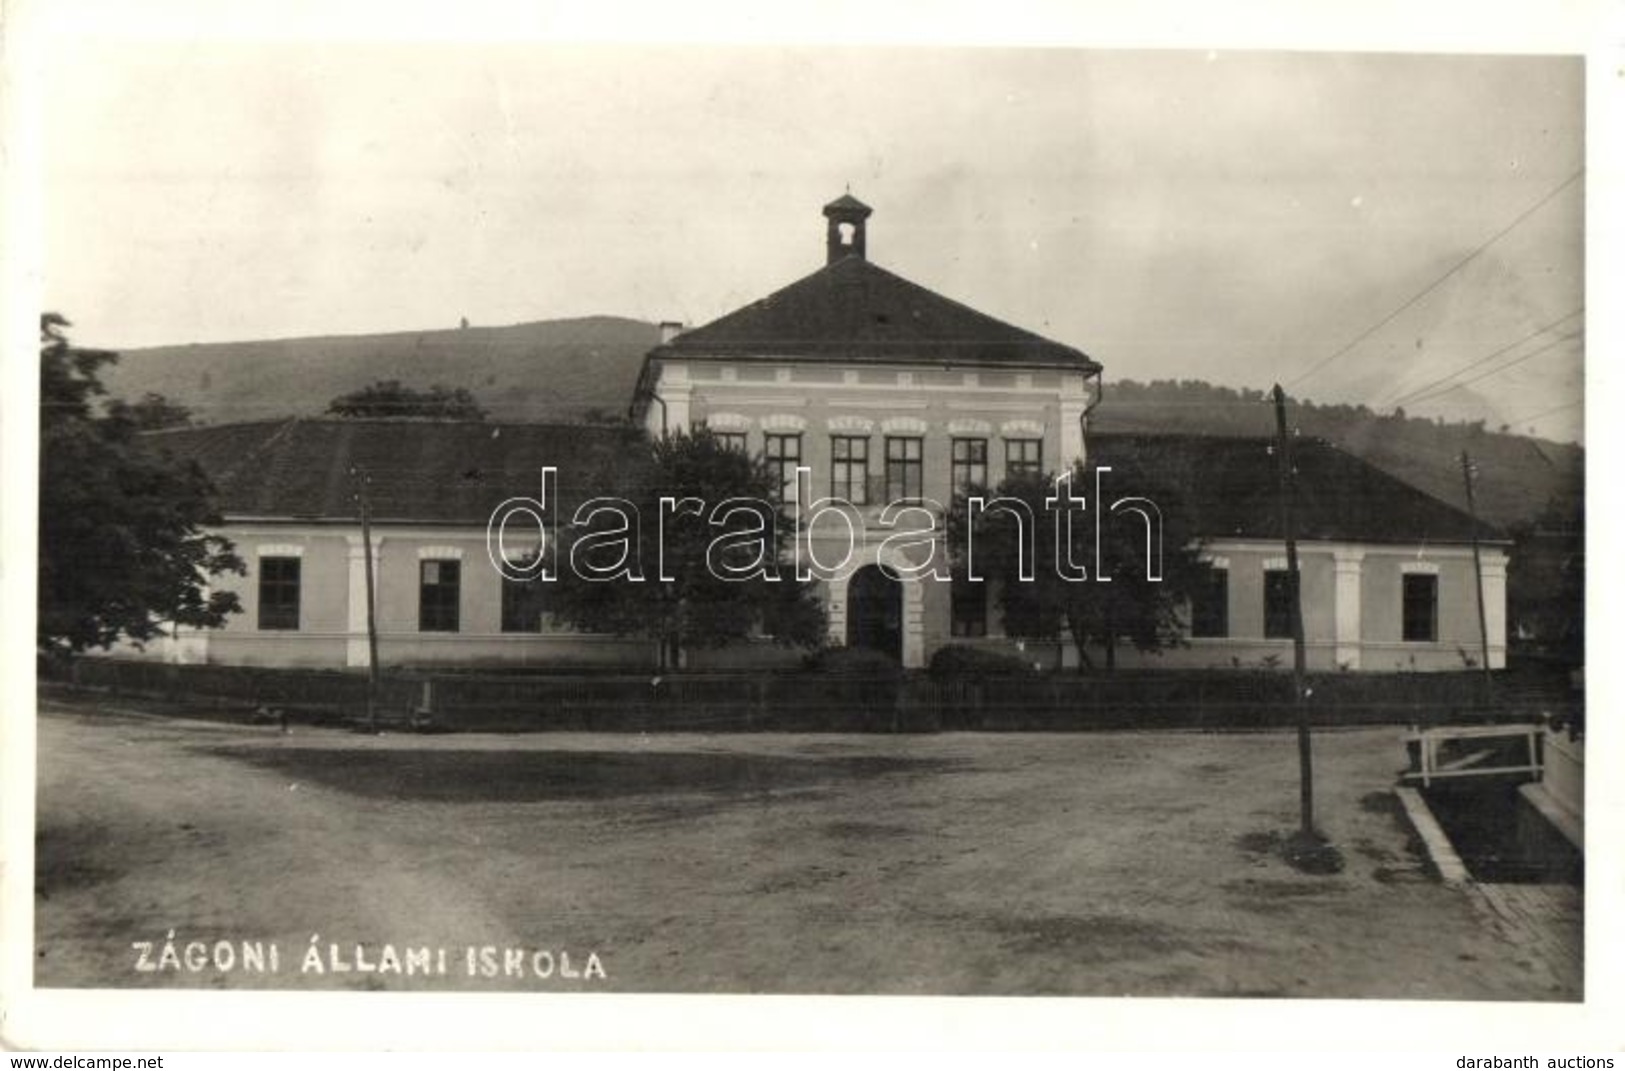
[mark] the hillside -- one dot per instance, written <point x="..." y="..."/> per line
<point x="561" y="369"/>
<point x="552" y="370"/>
<point x="1518" y="474"/>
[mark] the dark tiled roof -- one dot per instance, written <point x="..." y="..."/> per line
<point x="421" y="471"/>
<point x="852" y="310"/>
<point x="1231" y="489"/>
<point x="457" y="472"/>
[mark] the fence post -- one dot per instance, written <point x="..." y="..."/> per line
<point x="424" y="714"/>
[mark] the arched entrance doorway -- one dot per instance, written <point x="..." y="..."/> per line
<point x="874" y="610"/>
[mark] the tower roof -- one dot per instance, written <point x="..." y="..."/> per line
<point x="847" y="205"/>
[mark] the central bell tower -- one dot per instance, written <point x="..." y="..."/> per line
<point x="847" y="221"/>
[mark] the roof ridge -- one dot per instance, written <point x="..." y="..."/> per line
<point x="326" y="419"/>
<point x="193" y="429"/>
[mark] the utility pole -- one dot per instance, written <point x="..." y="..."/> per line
<point x="1468" y="471"/>
<point x="362" y="481"/>
<point x="1289" y="525"/>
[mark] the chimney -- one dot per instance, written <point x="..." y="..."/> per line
<point x="845" y="236"/>
<point x="669" y="329"/>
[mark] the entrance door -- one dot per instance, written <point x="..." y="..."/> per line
<point x="874" y="611"/>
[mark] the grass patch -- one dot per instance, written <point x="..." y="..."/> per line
<point x="508" y="776"/>
<point x="67" y="860"/>
<point x="1307" y="853"/>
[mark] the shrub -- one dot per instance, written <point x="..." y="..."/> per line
<point x="959" y="660"/>
<point x="853" y="662"/>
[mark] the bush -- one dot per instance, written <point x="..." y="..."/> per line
<point x="960" y="660"/>
<point x="853" y="662"/>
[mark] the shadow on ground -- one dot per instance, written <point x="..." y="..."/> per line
<point x="501" y="776"/>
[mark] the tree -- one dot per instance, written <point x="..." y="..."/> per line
<point x="122" y="547"/>
<point x="720" y="582"/>
<point x="1068" y="590"/>
<point x="387" y="398"/>
<point x="599" y="415"/>
<point x="1546" y="581"/>
<point x="153" y="412"/>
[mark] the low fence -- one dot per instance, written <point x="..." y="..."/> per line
<point x="814" y="702"/>
<point x="312" y="695"/>
<point x="461" y="701"/>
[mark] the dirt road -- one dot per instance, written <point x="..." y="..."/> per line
<point x="1086" y="864"/>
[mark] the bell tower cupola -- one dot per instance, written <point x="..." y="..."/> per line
<point x="847" y="216"/>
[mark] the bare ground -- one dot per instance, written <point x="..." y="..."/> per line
<point x="1088" y="864"/>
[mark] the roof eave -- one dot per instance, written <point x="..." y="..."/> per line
<point x="1071" y="360"/>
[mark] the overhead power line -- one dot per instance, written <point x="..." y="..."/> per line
<point x="1545" y="413"/>
<point x="1498" y="369"/>
<point x="1435" y="284"/>
<point x="1509" y="347"/>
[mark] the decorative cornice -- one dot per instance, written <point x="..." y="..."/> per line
<point x="879" y="403"/>
<point x="727" y="422"/>
<point x="1021" y="429"/>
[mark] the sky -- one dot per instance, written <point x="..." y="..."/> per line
<point x="1243" y="217"/>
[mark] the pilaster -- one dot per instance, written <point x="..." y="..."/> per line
<point x="1347" y="564"/>
<point x="356" y="651"/>
<point x="1072" y="444"/>
<point x="1495" y="606"/>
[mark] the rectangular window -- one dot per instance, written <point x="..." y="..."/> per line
<point x="733" y="440"/>
<point x="849" y="468"/>
<point x="1421" y="607"/>
<point x="279" y="593"/>
<point x="439" y="589"/>
<point x="521" y="605"/>
<point x="969" y="463"/>
<point x="1023" y="457"/>
<point x="1277" y="604"/>
<point x="1210" y="604"/>
<point x="784" y="454"/>
<point x="969" y="599"/>
<point x="904" y="468"/>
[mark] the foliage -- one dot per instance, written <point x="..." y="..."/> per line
<point x="1130" y="605"/>
<point x="963" y="660"/>
<point x="121" y="551"/>
<point x="388" y="398"/>
<point x="853" y="662"/>
<point x="598" y="414"/>
<point x="695" y="607"/>
<point x="152" y="412"/>
<point x="1546" y="583"/>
